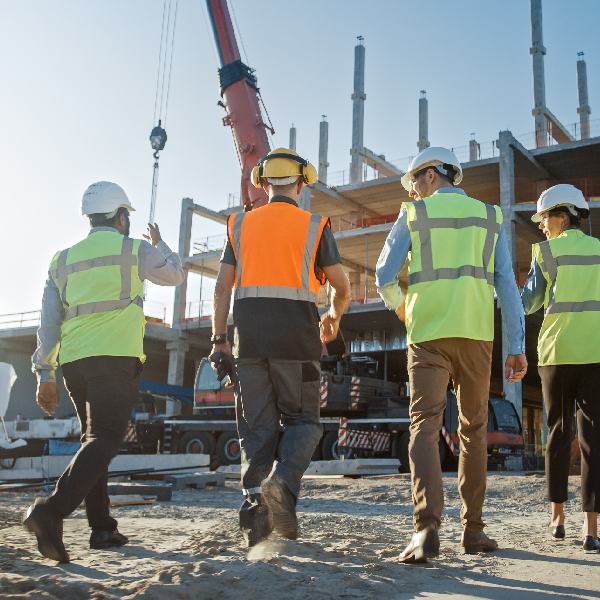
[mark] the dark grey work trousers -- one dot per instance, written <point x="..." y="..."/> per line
<point x="103" y="390"/>
<point x="564" y="387"/>
<point x="277" y="409"/>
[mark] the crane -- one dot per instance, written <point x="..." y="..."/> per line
<point x="240" y="99"/>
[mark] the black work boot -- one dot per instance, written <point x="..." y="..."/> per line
<point x="48" y="529"/>
<point x="101" y="539"/>
<point x="282" y="504"/>
<point x="256" y="523"/>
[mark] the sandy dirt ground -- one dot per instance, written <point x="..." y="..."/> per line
<point x="352" y="532"/>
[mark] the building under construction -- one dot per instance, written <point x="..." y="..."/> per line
<point x="510" y="173"/>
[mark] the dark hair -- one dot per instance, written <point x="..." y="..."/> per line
<point x="449" y="178"/>
<point x="574" y="221"/>
<point x="100" y="220"/>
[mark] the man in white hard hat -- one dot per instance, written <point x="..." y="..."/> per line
<point x="458" y="255"/>
<point x="92" y="325"/>
<point x="565" y="280"/>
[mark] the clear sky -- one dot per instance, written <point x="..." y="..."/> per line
<point x="79" y="78"/>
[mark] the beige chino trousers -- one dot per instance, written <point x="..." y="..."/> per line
<point x="430" y="366"/>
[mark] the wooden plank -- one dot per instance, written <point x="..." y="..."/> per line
<point x="196" y="480"/>
<point x="132" y="500"/>
<point x="162" y="491"/>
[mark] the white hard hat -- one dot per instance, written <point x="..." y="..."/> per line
<point x="437" y="157"/>
<point x="563" y="194"/>
<point x="104" y="197"/>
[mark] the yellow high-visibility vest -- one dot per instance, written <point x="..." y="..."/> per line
<point x="570" y="264"/>
<point x="102" y="296"/>
<point x="451" y="269"/>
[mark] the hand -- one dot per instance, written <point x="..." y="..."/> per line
<point x="47" y="397"/>
<point x="222" y="363"/>
<point x="515" y="367"/>
<point x="153" y="235"/>
<point x="225" y="348"/>
<point x="329" y="327"/>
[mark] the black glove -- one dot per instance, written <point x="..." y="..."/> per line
<point x="222" y="363"/>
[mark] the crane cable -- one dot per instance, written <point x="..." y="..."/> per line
<point x="158" y="135"/>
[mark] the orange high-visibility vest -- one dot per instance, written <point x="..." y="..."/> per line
<point x="275" y="248"/>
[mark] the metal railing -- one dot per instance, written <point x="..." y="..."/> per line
<point x="209" y="243"/>
<point x="487" y="149"/>
<point x="28" y="318"/>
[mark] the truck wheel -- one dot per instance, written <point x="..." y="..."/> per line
<point x="330" y="450"/>
<point x="403" y="452"/>
<point x="196" y="442"/>
<point x="228" y="448"/>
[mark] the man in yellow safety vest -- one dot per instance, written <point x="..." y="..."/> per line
<point x="92" y="324"/>
<point x="458" y="255"/>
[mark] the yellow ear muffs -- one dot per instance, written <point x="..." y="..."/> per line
<point x="255" y="176"/>
<point x="309" y="173"/>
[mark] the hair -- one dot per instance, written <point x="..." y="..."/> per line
<point x="574" y="221"/>
<point x="100" y="219"/>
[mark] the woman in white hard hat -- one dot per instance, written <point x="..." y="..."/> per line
<point x="565" y="280"/>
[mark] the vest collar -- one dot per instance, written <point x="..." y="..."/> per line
<point x="282" y="199"/>
<point x="103" y="228"/>
<point x="450" y="190"/>
<point x="572" y="232"/>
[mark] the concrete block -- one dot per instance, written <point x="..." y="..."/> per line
<point x="162" y="491"/>
<point x="196" y="480"/>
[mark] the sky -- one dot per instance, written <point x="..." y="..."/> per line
<point x="79" y="83"/>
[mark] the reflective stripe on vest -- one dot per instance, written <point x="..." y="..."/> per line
<point x="423" y="224"/>
<point x="303" y="293"/>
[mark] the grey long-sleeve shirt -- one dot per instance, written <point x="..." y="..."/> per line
<point x="158" y="264"/>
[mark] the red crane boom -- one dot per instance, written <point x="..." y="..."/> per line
<point x="240" y="98"/>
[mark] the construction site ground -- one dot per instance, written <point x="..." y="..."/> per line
<point x="352" y="531"/>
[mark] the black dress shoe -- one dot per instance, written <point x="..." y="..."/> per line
<point x="591" y="544"/>
<point x="48" y="530"/>
<point x="423" y="545"/>
<point x="101" y="539"/>
<point x="558" y="533"/>
<point x="282" y="504"/>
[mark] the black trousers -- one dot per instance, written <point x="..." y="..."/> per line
<point x="103" y="390"/>
<point x="564" y="387"/>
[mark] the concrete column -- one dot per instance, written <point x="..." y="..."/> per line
<point x="358" y="112"/>
<point x="305" y="198"/>
<point x="323" y="148"/>
<point x="185" y="235"/>
<point x="292" y="145"/>
<point x="584" y="109"/>
<point x="354" y="278"/>
<point x="177" y="351"/>
<point x="474" y="149"/>
<point x="423" y="122"/>
<point x="513" y="391"/>
<point x="537" y="52"/>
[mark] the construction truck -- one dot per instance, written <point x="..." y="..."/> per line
<point x="362" y="416"/>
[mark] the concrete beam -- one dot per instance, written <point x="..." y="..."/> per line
<point x="360" y="232"/>
<point x="557" y="130"/>
<point x="208" y="213"/>
<point x="377" y="162"/>
<point x="196" y="263"/>
<point x="532" y="207"/>
<point x="542" y="171"/>
<point x="357" y="267"/>
<point x="342" y="201"/>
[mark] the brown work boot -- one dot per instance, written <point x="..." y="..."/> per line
<point x="282" y="504"/>
<point x="423" y="545"/>
<point x="473" y="542"/>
